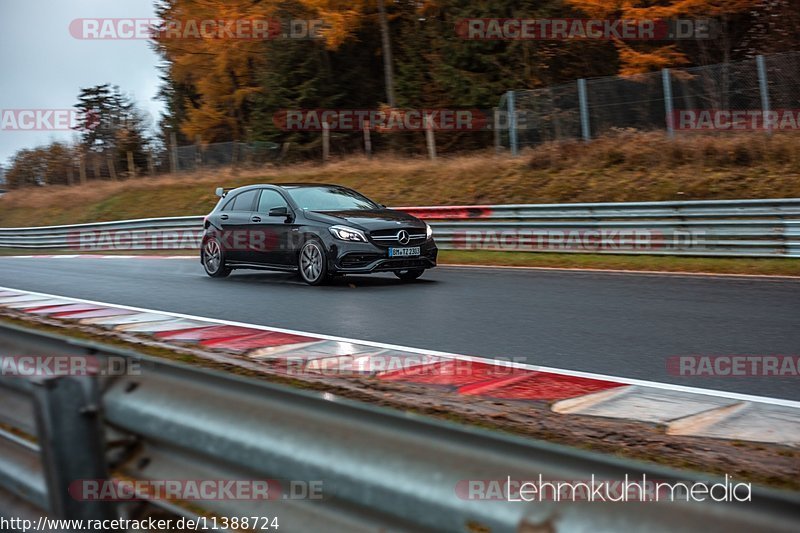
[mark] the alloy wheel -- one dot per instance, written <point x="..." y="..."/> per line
<point x="311" y="262"/>
<point x="212" y="255"/>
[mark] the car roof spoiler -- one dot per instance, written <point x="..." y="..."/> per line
<point x="222" y="192"/>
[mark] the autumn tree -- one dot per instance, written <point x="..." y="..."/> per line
<point x="212" y="77"/>
<point x="773" y="28"/>
<point x="730" y="18"/>
<point x="223" y="89"/>
<point x="52" y="164"/>
<point x="112" y="125"/>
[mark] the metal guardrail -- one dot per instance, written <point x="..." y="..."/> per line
<point x="754" y="228"/>
<point x="378" y="469"/>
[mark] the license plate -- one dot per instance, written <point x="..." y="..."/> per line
<point x="404" y="252"/>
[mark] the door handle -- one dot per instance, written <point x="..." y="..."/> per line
<point x="255" y="219"/>
<point x="224" y="217"/>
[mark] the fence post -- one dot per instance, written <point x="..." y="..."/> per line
<point x="198" y="155"/>
<point x="111" y="168"/>
<point x="764" y="87"/>
<point x="430" y="140"/>
<point x="82" y="168"/>
<point x="326" y="142"/>
<point x="173" y="152"/>
<point x="69" y="429"/>
<point x="666" y="81"/>
<point x="131" y="165"/>
<point x="512" y="123"/>
<point x="496" y="116"/>
<point x="583" y="102"/>
<point x="367" y="140"/>
<point x="96" y="164"/>
<point x="285" y="150"/>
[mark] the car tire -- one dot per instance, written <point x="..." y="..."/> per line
<point x="312" y="263"/>
<point x="409" y="275"/>
<point x="213" y="258"/>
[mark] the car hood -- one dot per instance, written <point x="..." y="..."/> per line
<point x="368" y="219"/>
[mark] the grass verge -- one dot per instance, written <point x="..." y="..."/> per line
<point x="643" y="263"/>
<point x="622" y="168"/>
<point x="716" y="265"/>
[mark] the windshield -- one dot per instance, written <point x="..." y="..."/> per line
<point x="329" y="199"/>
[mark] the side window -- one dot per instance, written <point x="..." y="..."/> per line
<point x="242" y="202"/>
<point x="270" y="199"/>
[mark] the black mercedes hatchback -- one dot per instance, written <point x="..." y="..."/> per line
<point x="318" y="231"/>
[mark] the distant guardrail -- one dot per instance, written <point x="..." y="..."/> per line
<point x="376" y="469"/>
<point x="738" y="228"/>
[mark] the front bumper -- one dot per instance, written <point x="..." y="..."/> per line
<point x="364" y="258"/>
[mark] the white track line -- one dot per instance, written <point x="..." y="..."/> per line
<point x="444" y="355"/>
<point x="97" y="256"/>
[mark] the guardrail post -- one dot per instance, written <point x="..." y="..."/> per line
<point x="763" y="84"/>
<point x="666" y="81"/>
<point x="69" y="429"/>
<point x="512" y="124"/>
<point x="791" y="238"/>
<point x="583" y="102"/>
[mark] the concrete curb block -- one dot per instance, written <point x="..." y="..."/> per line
<point x="716" y="414"/>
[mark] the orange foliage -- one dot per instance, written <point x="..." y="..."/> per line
<point x="341" y="17"/>
<point x="636" y="58"/>
<point x="220" y="69"/>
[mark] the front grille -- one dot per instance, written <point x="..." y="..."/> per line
<point x="401" y="264"/>
<point x="388" y="237"/>
<point x="358" y="259"/>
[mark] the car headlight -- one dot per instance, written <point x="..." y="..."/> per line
<point x="428" y="231"/>
<point x="348" y="234"/>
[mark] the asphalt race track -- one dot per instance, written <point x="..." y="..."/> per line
<point x="610" y="323"/>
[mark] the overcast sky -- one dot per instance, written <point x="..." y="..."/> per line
<point x="42" y="66"/>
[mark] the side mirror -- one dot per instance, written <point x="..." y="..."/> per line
<point x="279" y="212"/>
